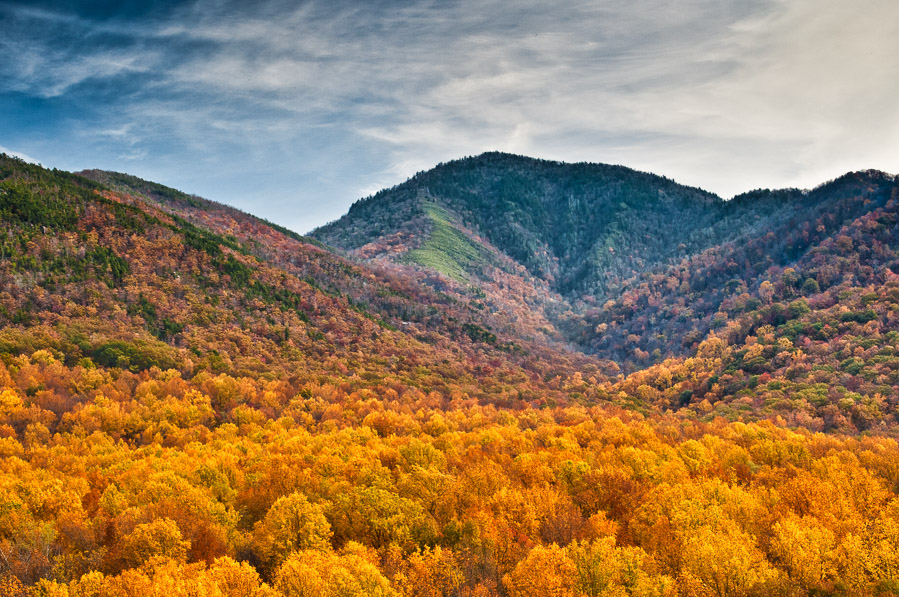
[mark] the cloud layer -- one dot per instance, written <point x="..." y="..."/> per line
<point x="292" y="111"/>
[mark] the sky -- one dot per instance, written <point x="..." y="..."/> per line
<point x="293" y="110"/>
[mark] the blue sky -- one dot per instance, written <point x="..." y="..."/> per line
<point x="292" y="110"/>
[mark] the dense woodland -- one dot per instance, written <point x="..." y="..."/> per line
<point x="632" y="267"/>
<point x="194" y="401"/>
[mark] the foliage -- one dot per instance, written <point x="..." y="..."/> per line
<point x="195" y="403"/>
<point x="291" y="524"/>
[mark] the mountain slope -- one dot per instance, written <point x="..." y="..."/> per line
<point x="671" y="308"/>
<point x="120" y="280"/>
<point x="626" y="263"/>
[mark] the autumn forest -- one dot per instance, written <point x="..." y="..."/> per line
<point x="504" y="377"/>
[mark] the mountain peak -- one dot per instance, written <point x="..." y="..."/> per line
<point x="558" y="220"/>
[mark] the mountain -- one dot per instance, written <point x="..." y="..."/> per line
<point x="501" y="222"/>
<point x="622" y="261"/>
<point x="505" y="377"/>
<point x="557" y="220"/>
<point x="137" y="276"/>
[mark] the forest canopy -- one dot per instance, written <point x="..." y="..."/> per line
<point x="196" y="402"/>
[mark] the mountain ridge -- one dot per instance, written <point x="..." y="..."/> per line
<point x="798" y="266"/>
<point x="586" y="233"/>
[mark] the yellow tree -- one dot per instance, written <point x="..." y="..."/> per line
<point x="805" y="549"/>
<point x="160" y="538"/>
<point x="309" y="573"/>
<point x="545" y="572"/>
<point x="725" y="560"/>
<point x="604" y="570"/>
<point x="431" y="573"/>
<point x="292" y="523"/>
<point x="379" y="517"/>
<point x="237" y="579"/>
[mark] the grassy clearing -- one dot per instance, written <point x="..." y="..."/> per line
<point x="447" y="249"/>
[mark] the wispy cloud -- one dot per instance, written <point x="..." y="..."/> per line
<point x="19" y="154"/>
<point x="292" y="110"/>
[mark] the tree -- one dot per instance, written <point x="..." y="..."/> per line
<point x="725" y="560"/>
<point x="160" y="538"/>
<point x="604" y="570"/>
<point x="308" y="573"/>
<point x="378" y="517"/>
<point x="237" y="579"/>
<point x="805" y="548"/>
<point x="431" y="572"/>
<point x="810" y="287"/>
<point x="545" y="572"/>
<point x="291" y="524"/>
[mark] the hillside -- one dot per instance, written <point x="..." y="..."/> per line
<point x="628" y="265"/>
<point x="167" y="280"/>
<point x="194" y="401"/>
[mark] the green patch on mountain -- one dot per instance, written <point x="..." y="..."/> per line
<point x="447" y="249"/>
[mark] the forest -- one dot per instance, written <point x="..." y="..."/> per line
<point x="428" y="402"/>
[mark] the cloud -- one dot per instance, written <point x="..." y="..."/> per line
<point x="54" y="53"/>
<point x="319" y="101"/>
<point x="137" y="154"/>
<point x="19" y="154"/>
<point x="779" y="94"/>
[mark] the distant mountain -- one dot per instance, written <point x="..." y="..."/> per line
<point x="627" y="263"/>
<point x="579" y="227"/>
